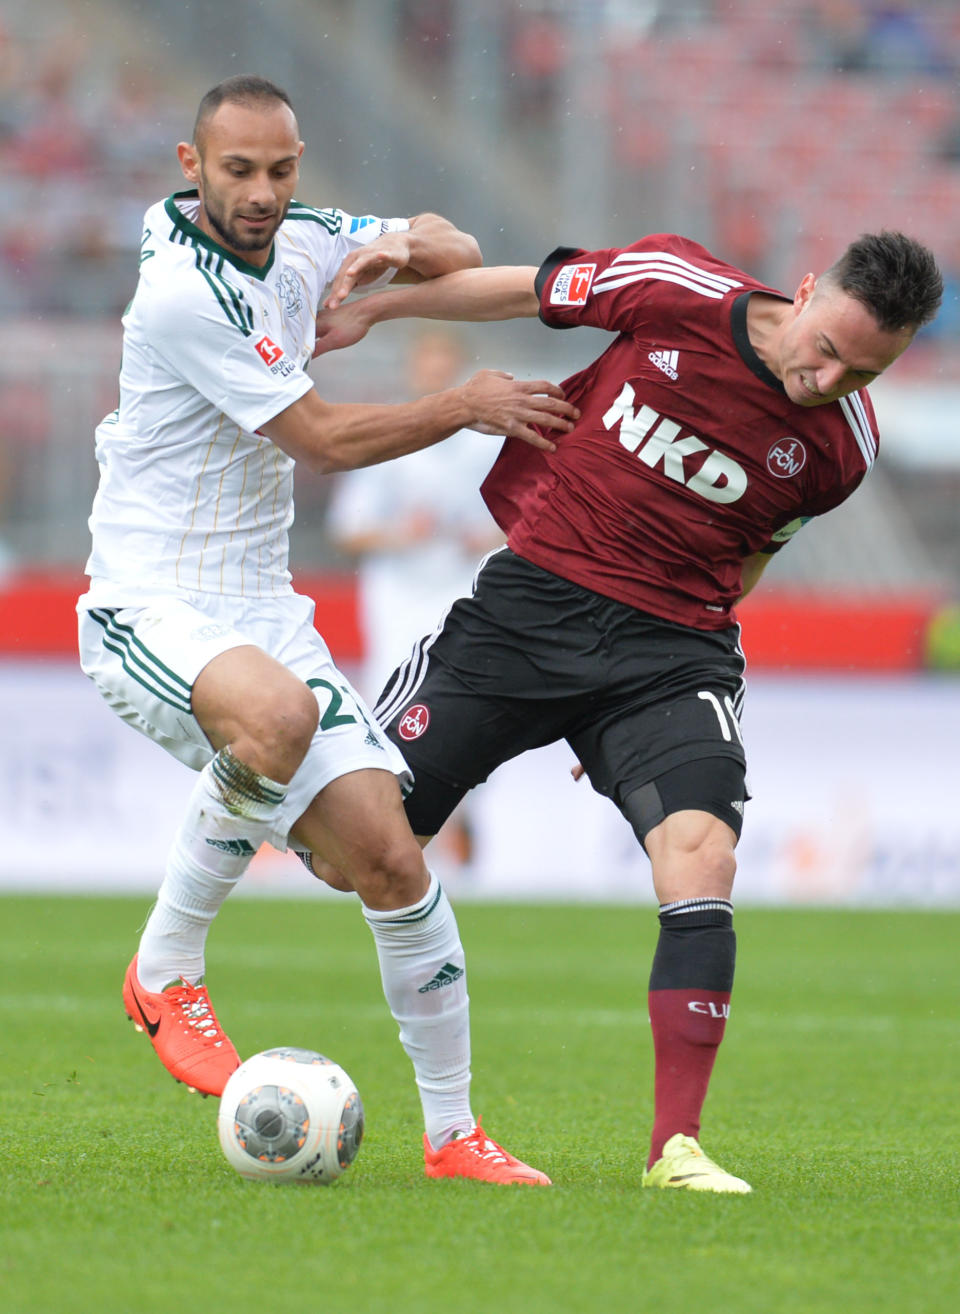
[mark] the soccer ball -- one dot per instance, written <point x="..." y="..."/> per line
<point x="290" y="1115"/>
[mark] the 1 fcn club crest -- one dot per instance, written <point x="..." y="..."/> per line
<point x="786" y="458"/>
<point x="414" y="722"/>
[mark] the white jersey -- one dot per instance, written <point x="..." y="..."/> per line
<point x="192" y="498"/>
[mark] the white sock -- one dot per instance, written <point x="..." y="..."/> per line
<point x="231" y="812"/>
<point x="425" y="982"/>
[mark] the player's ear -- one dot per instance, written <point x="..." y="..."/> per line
<point x="804" y="292"/>
<point x="189" y="158"/>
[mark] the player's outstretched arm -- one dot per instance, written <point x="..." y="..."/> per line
<point x="333" y="437"/>
<point x="430" y="247"/>
<point x="476" y="295"/>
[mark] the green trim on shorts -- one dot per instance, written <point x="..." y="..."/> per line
<point x="121" y="640"/>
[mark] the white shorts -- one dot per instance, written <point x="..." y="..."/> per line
<point x="144" y="660"/>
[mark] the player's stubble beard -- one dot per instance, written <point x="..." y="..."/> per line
<point x="215" y="214"/>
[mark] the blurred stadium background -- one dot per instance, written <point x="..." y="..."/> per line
<point x="773" y="133"/>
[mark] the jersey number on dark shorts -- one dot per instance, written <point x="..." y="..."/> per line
<point x="726" y="714"/>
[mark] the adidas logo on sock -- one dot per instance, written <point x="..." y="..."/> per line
<point x="448" y="973"/>
<point x="666" y="361"/>
<point x="239" y="848"/>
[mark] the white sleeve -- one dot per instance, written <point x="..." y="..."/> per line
<point x="334" y="234"/>
<point x="236" y="366"/>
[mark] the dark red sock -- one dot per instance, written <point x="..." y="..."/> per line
<point x="689" y="1003"/>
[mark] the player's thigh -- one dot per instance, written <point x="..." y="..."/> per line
<point x="678" y="754"/>
<point x="248" y="699"/>
<point x="346" y="739"/>
<point x="453" y="738"/>
<point x="505" y="672"/>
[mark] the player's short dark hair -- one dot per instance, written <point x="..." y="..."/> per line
<point x="241" y="89"/>
<point x="894" y="276"/>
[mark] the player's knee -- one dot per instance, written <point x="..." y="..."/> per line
<point x="276" y="731"/>
<point x="692" y="854"/>
<point x="391" y="874"/>
<point x="297" y="722"/>
<point x="709" y="855"/>
<point x="716" y="860"/>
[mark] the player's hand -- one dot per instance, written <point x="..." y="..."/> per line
<point x="341" y="328"/>
<point x="512" y="407"/>
<point x="367" y="264"/>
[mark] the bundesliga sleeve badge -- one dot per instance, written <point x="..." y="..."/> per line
<point x="571" y="287"/>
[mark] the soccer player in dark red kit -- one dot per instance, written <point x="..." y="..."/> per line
<point x="721" y="418"/>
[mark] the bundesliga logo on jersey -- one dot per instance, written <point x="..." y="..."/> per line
<point x="268" y="351"/>
<point x="572" y="285"/>
<point x="273" y="356"/>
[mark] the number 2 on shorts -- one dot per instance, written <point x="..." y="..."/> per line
<point x="331" y="717"/>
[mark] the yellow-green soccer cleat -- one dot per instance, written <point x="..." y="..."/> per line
<point x="684" y="1165"/>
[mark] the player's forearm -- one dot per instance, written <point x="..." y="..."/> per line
<point x="331" y="437"/>
<point x="349" y="436"/>
<point x="474" y="295"/>
<point x="438" y="248"/>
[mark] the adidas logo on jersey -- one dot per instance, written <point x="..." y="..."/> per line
<point x="667" y="362"/>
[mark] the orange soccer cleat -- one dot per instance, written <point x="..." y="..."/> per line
<point x="474" y="1155"/>
<point x="184" y="1031"/>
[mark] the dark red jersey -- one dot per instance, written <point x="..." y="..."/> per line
<point x="688" y="455"/>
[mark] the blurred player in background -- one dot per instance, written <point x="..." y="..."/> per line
<point x="721" y="418"/>
<point x="417" y="528"/>
<point x="190" y="628"/>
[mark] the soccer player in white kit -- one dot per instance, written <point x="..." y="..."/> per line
<point x="190" y="628"/>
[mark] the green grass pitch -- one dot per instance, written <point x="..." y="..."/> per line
<point x="835" y="1094"/>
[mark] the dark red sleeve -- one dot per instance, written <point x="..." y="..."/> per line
<point x="564" y="285"/>
<point x="624" y="289"/>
